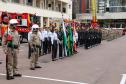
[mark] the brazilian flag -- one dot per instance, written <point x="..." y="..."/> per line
<point x="70" y="41"/>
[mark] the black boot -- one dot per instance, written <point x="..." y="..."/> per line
<point x="32" y="68"/>
<point x="17" y="75"/>
<point x="10" y="77"/>
<point x="38" y="67"/>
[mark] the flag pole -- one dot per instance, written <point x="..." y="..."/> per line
<point x="64" y="36"/>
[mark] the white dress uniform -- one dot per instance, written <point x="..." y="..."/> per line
<point x="45" y="41"/>
<point x="54" y="41"/>
<point x="49" y="41"/>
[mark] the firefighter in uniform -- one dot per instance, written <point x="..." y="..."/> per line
<point x="29" y="36"/>
<point x="35" y="43"/>
<point x="10" y="45"/>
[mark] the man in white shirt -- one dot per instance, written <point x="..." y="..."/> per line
<point x="45" y="40"/>
<point x="54" y="41"/>
<point x="49" y="40"/>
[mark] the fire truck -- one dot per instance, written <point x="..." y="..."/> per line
<point x="25" y="20"/>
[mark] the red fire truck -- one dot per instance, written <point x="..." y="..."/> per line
<point x="25" y="22"/>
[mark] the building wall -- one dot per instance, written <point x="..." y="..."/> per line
<point x="76" y="8"/>
<point x="80" y="6"/>
<point x="42" y="12"/>
<point x="117" y="10"/>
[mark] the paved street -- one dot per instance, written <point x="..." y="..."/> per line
<point x="103" y="64"/>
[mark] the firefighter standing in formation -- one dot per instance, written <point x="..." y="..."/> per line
<point x="10" y="43"/>
<point x="35" y="43"/>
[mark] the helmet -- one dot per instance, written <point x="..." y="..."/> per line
<point x="13" y="21"/>
<point x="35" y="27"/>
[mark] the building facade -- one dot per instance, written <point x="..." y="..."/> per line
<point x="48" y="10"/>
<point x="110" y="13"/>
<point x="80" y="6"/>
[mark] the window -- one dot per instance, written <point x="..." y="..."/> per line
<point x="29" y="2"/>
<point x="38" y="3"/>
<point x="64" y="10"/>
<point x="16" y="1"/>
<point x="117" y="6"/>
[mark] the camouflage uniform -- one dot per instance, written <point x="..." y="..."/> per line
<point x="11" y="52"/>
<point x="35" y="43"/>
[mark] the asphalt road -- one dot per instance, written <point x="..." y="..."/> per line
<point x="103" y="64"/>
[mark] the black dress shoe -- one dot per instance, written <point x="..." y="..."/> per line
<point x="10" y="77"/>
<point x="17" y="75"/>
<point x="53" y="59"/>
<point x="60" y="57"/>
<point x="38" y="67"/>
<point x="32" y="68"/>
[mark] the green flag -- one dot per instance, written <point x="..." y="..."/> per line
<point x="70" y="41"/>
<point x="64" y="38"/>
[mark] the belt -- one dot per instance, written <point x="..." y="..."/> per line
<point x="16" y="46"/>
<point x="13" y="46"/>
<point x="38" y="46"/>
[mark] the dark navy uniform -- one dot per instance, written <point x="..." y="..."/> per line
<point x="60" y="37"/>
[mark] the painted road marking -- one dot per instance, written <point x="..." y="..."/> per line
<point x="123" y="80"/>
<point x="50" y="79"/>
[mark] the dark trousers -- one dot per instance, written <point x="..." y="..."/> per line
<point x="49" y="45"/>
<point x="87" y="43"/>
<point x="45" y="46"/>
<point x="0" y="41"/>
<point x="54" y="50"/>
<point x="61" y="50"/>
<point x="29" y="51"/>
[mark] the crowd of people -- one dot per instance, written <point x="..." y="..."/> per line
<point x="59" y="42"/>
<point x="53" y="41"/>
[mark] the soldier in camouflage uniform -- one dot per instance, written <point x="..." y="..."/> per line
<point x="35" y="43"/>
<point x="10" y="45"/>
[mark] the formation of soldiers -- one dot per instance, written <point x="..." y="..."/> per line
<point x="111" y="34"/>
<point x="89" y="37"/>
